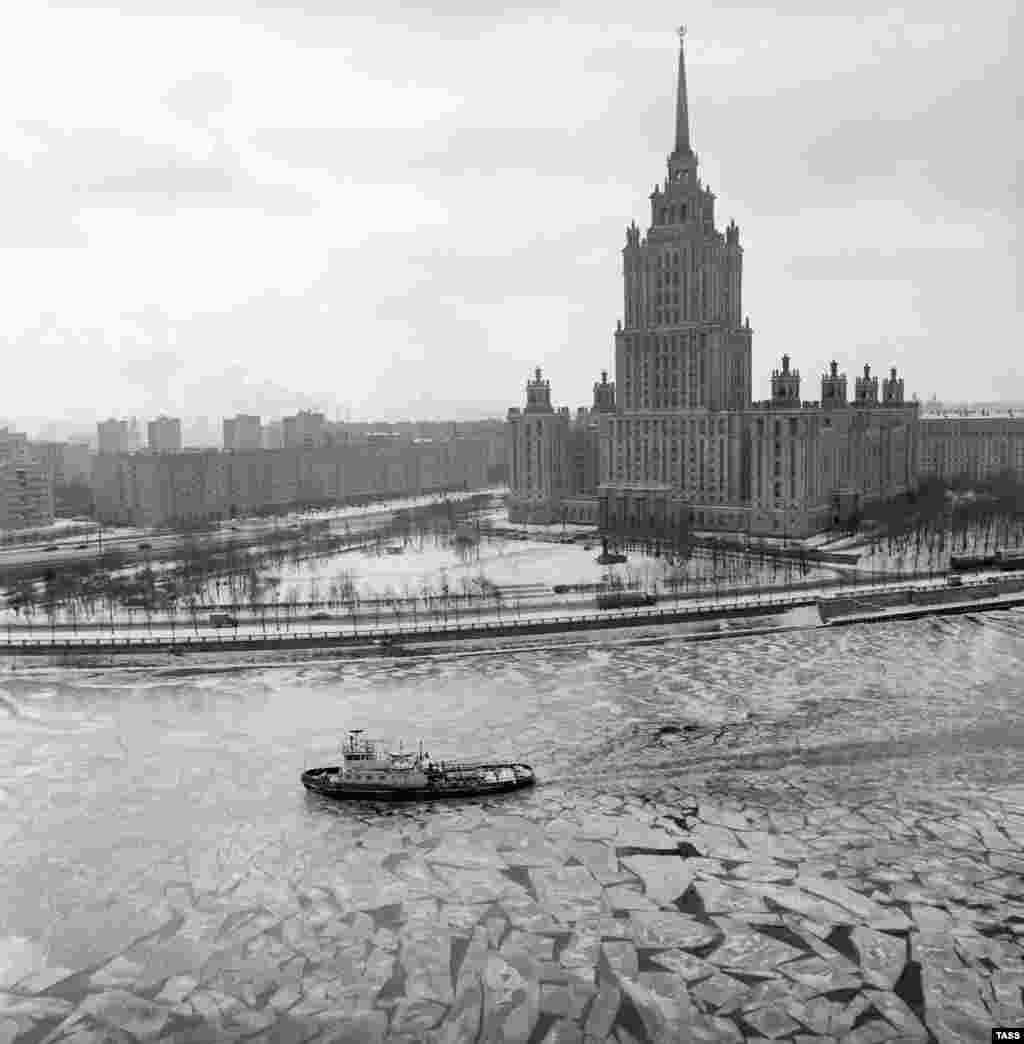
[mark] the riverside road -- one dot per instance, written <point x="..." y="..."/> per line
<point x="1001" y="589"/>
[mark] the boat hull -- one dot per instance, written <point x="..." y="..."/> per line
<point x="318" y="781"/>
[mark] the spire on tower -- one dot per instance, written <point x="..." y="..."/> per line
<point x="682" y="109"/>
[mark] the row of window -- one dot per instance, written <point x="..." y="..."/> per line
<point x="673" y="215"/>
<point x="625" y="429"/>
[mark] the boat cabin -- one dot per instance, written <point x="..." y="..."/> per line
<point x="368" y="762"/>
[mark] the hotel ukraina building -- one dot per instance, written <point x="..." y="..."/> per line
<point x="677" y="435"/>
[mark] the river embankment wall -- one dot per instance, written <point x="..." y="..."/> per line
<point x="867" y="607"/>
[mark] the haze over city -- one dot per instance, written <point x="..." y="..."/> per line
<point x="399" y="213"/>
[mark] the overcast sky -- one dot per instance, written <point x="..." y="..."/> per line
<point x="219" y="205"/>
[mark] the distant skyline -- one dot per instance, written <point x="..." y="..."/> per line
<point x="221" y="206"/>
<point x="203" y="431"/>
<point x="200" y="431"/>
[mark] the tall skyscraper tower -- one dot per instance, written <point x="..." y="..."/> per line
<point x="679" y="441"/>
<point x="682" y="344"/>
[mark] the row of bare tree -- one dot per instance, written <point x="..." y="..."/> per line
<point x="202" y="574"/>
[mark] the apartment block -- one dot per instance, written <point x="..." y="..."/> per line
<point x="242" y="433"/>
<point x="164" y="435"/>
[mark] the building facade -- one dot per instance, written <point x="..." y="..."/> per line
<point x="26" y="496"/>
<point x="681" y="442"/>
<point x="552" y="460"/>
<point x="972" y="446"/>
<point x="26" y="481"/>
<point x="117" y="436"/>
<point x="306" y="430"/>
<point x="164" y="435"/>
<point x="242" y="433"/>
<point x="538" y="455"/>
<point x="75" y="463"/>
<point x="273" y="435"/>
<point x="157" y="489"/>
<point x="13" y="444"/>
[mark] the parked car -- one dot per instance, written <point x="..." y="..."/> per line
<point x="81" y="547"/>
<point x="145" y="546"/>
<point x="223" y="620"/>
<point x="955" y="581"/>
<point x="321" y="616"/>
<point x="51" y="547"/>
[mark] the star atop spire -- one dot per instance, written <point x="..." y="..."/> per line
<point x="682" y="110"/>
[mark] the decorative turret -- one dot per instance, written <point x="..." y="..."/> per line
<point x="538" y="394"/>
<point x="785" y="385"/>
<point x="604" y="395"/>
<point x="892" y="389"/>
<point x="833" y="386"/>
<point x="708" y="208"/>
<point x="867" y="389"/>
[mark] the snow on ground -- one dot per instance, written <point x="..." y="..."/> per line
<point x="363" y="510"/>
<point x="501" y="562"/>
<point x="799" y="616"/>
<point x="508" y="564"/>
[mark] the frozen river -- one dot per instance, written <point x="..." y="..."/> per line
<point x="786" y="836"/>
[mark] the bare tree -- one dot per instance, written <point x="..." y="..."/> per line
<point x="409" y="598"/>
<point x="291" y="601"/>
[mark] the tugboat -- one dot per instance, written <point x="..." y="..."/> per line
<point x="368" y="771"/>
